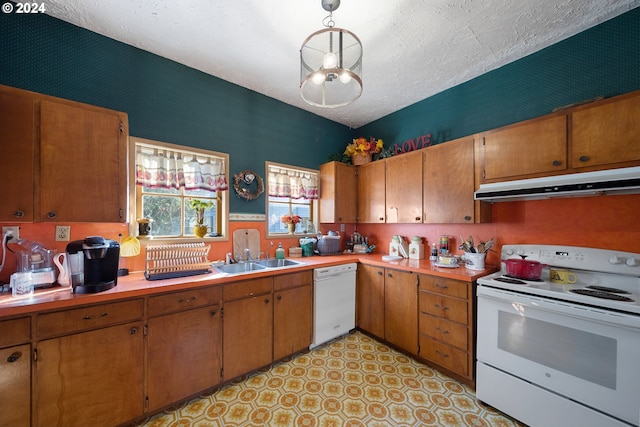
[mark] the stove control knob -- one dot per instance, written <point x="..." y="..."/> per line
<point x="508" y="251"/>
<point x="615" y="260"/>
<point x="631" y="262"/>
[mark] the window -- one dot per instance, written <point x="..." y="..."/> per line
<point x="168" y="177"/>
<point x="291" y="191"/>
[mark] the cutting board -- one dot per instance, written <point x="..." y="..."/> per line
<point x="244" y="238"/>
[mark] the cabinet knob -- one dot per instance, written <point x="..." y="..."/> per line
<point x="381" y="219"/>
<point x="389" y="275"/>
<point x="266" y="300"/>
<point x="213" y="313"/>
<point x="133" y="331"/>
<point x="467" y="217"/>
<point x="18" y="214"/>
<point x="379" y="273"/>
<point x="556" y="163"/>
<point x="583" y="158"/>
<point x="418" y="219"/>
<point x="14" y="356"/>
<point x="52" y="214"/>
<point x="279" y="297"/>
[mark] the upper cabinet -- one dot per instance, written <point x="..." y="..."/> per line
<point x="606" y="134"/>
<point x="371" y="192"/>
<point x="68" y="159"/>
<point x="338" y="193"/>
<point x="600" y="135"/>
<point x="404" y="188"/>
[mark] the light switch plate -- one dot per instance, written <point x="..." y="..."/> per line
<point x="62" y="233"/>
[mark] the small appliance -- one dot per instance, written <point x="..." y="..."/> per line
<point x="93" y="264"/>
<point x="33" y="257"/>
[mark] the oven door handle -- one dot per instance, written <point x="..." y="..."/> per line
<point x="624" y="320"/>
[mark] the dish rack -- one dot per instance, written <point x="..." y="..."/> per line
<point x="176" y="260"/>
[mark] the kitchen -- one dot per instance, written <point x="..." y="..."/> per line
<point x="604" y="222"/>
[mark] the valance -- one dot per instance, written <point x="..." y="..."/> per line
<point x="293" y="184"/>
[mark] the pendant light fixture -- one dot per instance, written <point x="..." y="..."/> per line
<point x="331" y="64"/>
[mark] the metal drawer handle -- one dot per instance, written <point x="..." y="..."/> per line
<point x="441" y="331"/>
<point x="91" y="318"/>
<point x="438" y="285"/>
<point x="14" y="357"/>
<point x="442" y="354"/>
<point x="443" y="307"/>
<point x="186" y="300"/>
<point x="18" y="214"/>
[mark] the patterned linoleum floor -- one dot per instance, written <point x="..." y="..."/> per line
<point x="353" y="381"/>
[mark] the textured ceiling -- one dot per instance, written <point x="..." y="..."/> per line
<point x="413" y="49"/>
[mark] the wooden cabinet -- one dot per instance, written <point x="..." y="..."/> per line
<point x="247" y="326"/>
<point x="401" y="309"/>
<point x="371" y="192"/>
<point x="537" y="146"/>
<point x="15" y="371"/>
<point x="446" y="325"/>
<point x="94" y="376"/>
<point x="370" y="300"/>
<point x="292" y="313"/>
<point x="449" y="184"/>
<point x="606" y="134"/>
<point x="184" y="348"/>
<point x="338" y="193"/>
<point x="74" y="154"/>
<point x="403" y="188"/>
<point x="18" y="136"/>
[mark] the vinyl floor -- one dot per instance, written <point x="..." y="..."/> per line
<point x="352" y="381"/>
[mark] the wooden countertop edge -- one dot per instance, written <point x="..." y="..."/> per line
<point x="136" y="286"/>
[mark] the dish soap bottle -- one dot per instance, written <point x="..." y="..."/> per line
<point x="280" y="251"/>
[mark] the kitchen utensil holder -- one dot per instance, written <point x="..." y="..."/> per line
<point x="176" y="260"/>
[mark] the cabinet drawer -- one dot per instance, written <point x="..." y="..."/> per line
<point x="444" y="355"/>
<point x="288" y="281"/>
<point x="444" y="307"/>
<point x="178" y="301"/>
<point x="440" y="285"/>
<point x="443" y="330"/>
<point x="247" y="288"/>
<point x="15" y="331"/>
<point x="93" y="316"/>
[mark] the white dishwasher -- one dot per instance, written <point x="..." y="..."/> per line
<point x="334" y="302"/>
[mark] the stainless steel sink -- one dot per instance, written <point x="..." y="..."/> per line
<point x="243" y="267"/>
<point x="277" y="263"/>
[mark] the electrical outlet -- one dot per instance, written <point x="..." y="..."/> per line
<point x="342" y="228"/>
<point x="62" y="233"/>
<point x="14" y="230"/>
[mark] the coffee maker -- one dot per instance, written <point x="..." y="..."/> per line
<point x="93" y="264"/>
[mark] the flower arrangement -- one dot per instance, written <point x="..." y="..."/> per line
<point x="363" y="147"/>
<point x="291" y="219"/>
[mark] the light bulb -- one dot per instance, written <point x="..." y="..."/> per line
<point x="330" y="60"/>
<point x="318" y="77"/>
<point x="345" y="77"/>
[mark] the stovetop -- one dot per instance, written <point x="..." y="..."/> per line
<point x="606" y="279"/>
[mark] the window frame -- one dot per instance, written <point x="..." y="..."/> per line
<point x="135" y="194"/>
<point x="313" y="203"/>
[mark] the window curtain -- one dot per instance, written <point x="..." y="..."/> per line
<point x="161" y="168"/>
<point x="293" y="184"/>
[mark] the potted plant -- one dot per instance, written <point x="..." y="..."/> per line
<point x="291" y="221"/>
<point x="199" y="206"/>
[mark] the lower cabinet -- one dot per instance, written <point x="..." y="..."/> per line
<point x="90" y="378"/>
<point x="184" y="340"/>
<point x="446" y="325"/>
<point x="15" y="372"/>
<point x="247" y="326"/>
<point x="370" y="300"/>
<point x="292" y="313"/>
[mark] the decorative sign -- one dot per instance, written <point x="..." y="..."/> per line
<point x="412" y="144"/>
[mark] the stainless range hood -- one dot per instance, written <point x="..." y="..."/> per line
<point x="612" y="181"/>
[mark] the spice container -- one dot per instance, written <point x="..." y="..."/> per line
<point x="434" y="252"/>
<point x="394" y="246"/>
<point x="416" y="248"/>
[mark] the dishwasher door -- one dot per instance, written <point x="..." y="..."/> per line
<point x="334" y="307"/>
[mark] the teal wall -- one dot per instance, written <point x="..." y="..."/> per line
<point x="170" y="102"/>
<point x="602" y="61"/>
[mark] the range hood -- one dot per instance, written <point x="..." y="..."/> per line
<point x="612" y="181"/>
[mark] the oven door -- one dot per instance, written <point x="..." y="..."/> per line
<point x="586" y="354"/>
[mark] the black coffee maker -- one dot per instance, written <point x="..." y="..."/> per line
<point x="93" y="264"/>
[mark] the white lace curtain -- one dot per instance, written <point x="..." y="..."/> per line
<point x="292" y="183"/>
<point x="162" y="168"/>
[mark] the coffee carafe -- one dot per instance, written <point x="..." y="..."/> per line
<point x="93" y="264"/>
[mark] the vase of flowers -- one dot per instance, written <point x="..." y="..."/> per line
<point x="199" y="206"/>
<point x="362" y="150"/>
<point x="291" y="221"/>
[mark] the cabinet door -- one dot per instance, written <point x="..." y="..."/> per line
<point x="92" y="377"/>
<point x="533" y="147"/>
<point x="404" y="188"/>
<point x="401" y="309"/>
<point x="292" y="321"/>
<point x="83" y="174"/>
<point x="370" y="299"/>
<point x="338" y="193"/>
<point x="15" y="371"/>
<point x="247" y="335"/>
<point x="183" y="355"/>
<point x="449" y="182"/>
<point x="371" y="192"/>
<point x="606" y="134"/>
<point x="18" y="136"/>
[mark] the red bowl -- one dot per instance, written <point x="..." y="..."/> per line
<point x="524" y="269"/>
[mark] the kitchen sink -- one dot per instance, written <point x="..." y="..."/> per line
<point x="277" y="263"/>
<point x="243" y="267"/>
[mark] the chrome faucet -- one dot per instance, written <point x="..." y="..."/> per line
<point x="247" y="254"/>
